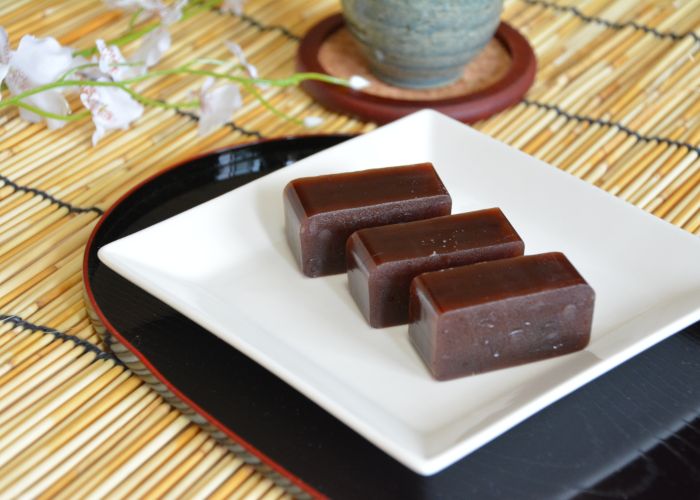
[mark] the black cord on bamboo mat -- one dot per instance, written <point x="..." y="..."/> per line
<point x="88" y="346"/>
<point x="264" y="27"/>
<point x="608" y="123"/>
<point x="613" y="24"/>
<point x="237" y="128"/>
<point x="43" y="194"/>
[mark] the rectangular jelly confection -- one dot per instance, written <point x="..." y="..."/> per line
<point x="322" y="212"/>
<point x="497" y="314"/>
<point x="383" y="260"/>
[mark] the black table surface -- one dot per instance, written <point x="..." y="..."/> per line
<point x="632" y="433"/>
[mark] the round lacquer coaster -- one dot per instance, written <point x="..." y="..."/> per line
<point x="496" y="79"/>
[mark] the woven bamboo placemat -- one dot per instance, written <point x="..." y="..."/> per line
<point x="616" y="102"/>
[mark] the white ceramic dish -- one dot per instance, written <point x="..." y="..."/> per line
<point x="226" y="265"/>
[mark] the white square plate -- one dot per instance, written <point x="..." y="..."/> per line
<point x="226" y="265"/>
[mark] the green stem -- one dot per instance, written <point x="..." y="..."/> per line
<point x="93" y="65"/>
<point x="47" y="114"/>
<point x="245" y="81"/>
<point x="17" y="99"/>
<point x="268" y="105"/>
<point x="134" y="18"/>
<point x="122" y="40"/>
<point x="290" y="81"/>
<point x="248" y="83"/>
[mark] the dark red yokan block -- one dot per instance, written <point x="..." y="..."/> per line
<point x="383" y="260"/>
<point x="497" y="314"/>
<point x="322" y="212"/>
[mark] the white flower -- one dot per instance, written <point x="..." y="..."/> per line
<point x="37" y="61"/>
<point x="358" y="82"/>
<point x="111" y="108"/>
<point x="4" y="55"/>
<point x="238" y="52"/>
<point x="168" y="14"/>
<point x="153" y="46"/>
<point x="312" y="121"/>
<point x="217" y="105"/>
<point x="150" y="6"/>
<point x="232" y="6"/>
<point x="113" y="64"/>
<point x="173" y="13"/>
<point x="157" y="42"/>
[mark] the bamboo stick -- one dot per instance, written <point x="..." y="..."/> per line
<point x="662" y="177"/>
<point x="39" y="283"/>
<point x="71" y="236"/>
<point x="105" y="466"/>
<point x="213" y="478"/>
<point x="89" y="441"/>
<point x="11" y="407"/>
<point x="134" y="424"/>
<point x="675" y="191"/>
<point x="693" y="225"/>
<point x="14" y="438"/>
<point x="46" y="365"/>
<point x="187" y="481"/>
<point x="644" y="174"/>
<point x="15" y="354"/>
<point x="175" y="468"/>
<point x="680" y="214"/>
<point x="145" y="451"/>
<point x="61" y="307"/>
<point x="160" y="464"/>
<point x="21" y="232"/>
<point x="259" y="490"/>
<point x="230" y="486"/>
<point x="175" y="479"/>
<point x="31" y="463"/>
<point x="248" y="485"/>
<point x="274" y="493"/>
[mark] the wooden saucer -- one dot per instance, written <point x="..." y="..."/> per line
<point x="496" y="79"/>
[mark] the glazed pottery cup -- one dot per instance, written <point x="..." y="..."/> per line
<point x="421" y="43"/>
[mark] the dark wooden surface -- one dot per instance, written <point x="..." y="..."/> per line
<point x="632" y="433"/>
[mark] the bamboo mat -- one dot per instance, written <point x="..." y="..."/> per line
<point x="616" y="102"/>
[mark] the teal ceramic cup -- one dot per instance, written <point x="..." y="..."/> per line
<point x="421" y="43"/>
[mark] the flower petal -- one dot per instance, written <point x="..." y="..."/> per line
<point x="216" y="107"/>
<point x="312" y="121"/>
<point x="358" y="82"/>
<point x="173" y="13"/>
<point x="113" y="64"/>
<point x="153" y="46"/>
<point x="147" y="5"/>
<point x="4" y="55"/>
<point x="51" y="101"/>
<point x="111" y="108"/>
<point x="4" y="47"/>
<point x="37" y="61"/>
<point x="232" y="6"/>
<point x="87" y="73"/>
<point x="240" y="55"/>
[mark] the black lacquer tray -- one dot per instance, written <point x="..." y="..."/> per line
<point x="632" y="433"/>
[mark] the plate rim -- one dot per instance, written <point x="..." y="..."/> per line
<point x="112" y="330"/>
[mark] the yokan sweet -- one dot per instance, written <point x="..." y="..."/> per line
<point x="383" y="260"/>
<point x="322" y="212"/>
<point x="498" y="314"/>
